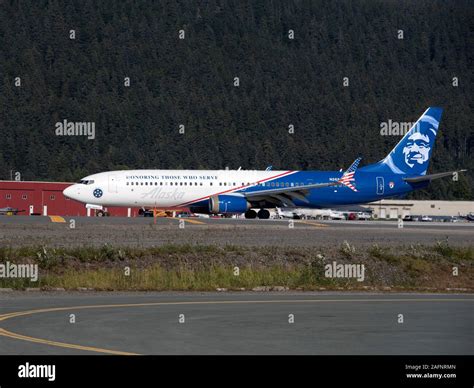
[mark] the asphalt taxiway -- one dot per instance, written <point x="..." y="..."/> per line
<point x="236" y="323"/>
<point x="143" y="232"/>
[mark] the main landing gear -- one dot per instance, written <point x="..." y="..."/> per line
<point x="263" y="214"/>
<point x="250" y="214"/>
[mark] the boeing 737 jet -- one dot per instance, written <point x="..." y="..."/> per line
<point x="403" y="170"/>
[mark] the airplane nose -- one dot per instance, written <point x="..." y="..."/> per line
<point x="68" y="192"/>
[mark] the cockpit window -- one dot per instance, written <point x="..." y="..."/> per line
<point x="86" y="182"/>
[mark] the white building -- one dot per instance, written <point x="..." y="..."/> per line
<point x="394" y="208"/>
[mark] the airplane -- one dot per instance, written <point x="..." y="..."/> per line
<point x="10" y="211"/>
<point x="228" y="192"/>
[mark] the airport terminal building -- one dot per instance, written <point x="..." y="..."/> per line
<point x="395" y="208"/>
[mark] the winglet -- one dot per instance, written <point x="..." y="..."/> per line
<point x="348" y="176"/>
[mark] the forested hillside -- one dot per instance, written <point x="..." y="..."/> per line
<point x="191" y="82"/>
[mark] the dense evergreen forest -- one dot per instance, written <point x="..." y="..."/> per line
<point x="48" y="77"/>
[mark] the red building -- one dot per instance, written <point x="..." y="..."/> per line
<point x="46" y="198"/>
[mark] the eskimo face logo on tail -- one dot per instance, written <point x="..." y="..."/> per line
<point x="417" y="149"/>
<point x="412" y="154"/>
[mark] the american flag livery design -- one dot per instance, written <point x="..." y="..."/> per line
<point x="348" y="176"/>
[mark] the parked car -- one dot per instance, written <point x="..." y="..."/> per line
<point x="426" y="219"/>
<point x="363" y="216"/>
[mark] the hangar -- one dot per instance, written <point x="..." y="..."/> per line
<point x="47" y="199"/>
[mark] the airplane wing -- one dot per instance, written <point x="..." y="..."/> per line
<point x="429" y="178"/>
<point x="285" y="195"/>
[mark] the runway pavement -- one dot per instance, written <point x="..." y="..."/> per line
<point x="236" y="323"/>
<point x="139" y="231"/>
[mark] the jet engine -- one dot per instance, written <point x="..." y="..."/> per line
<point x="219" y="204"/>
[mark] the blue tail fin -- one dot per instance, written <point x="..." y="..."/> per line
<point x="412" y="154"/>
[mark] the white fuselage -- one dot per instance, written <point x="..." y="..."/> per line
<point x="165" y="188"/>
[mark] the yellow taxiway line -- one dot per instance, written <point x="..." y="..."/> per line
<point x="9" y="334"/>
<point x="316" y="224"/>
<point x="17" y="336"/>
<point x="57" y="219"/>
<point x="191" y="221"/>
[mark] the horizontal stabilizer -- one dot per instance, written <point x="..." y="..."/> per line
<point x="429" y="178"/>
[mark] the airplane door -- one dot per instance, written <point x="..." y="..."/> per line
<point x="380" y="185"/>
<point x="113" y="183"/>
